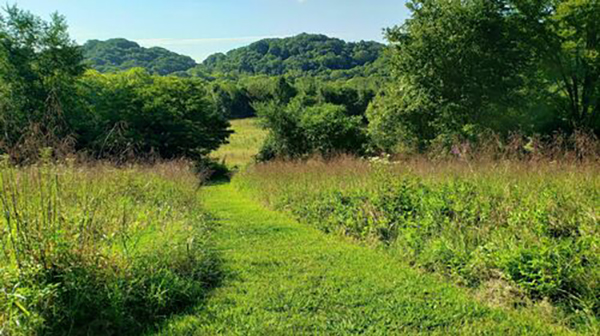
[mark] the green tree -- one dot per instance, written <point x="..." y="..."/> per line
<point x="283" y="91"/>
<point x="458" y="63"/>
<point x="295" y="56"/>
<point x="329" y="129"/>
<point x="232" y="100"/>
<point x="462" y="67"/>
<point x="397" y="123"/>
<point x="135" y="113"/>
<point x="120" y="54"/>
<point x="304" y="127"/>
<point x="39" y="69"/>
<point x="356" y="99"/>
<point x="566" y="36"/>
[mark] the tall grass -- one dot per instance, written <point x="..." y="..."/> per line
<point x="244" y="143"/>
<point x="520" y="233"/>
<point x="100" y="250"/>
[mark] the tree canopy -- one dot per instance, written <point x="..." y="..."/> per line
<point x="120" y="54"/>
<point x="137" y="114"/>
<point x="39" y="68"/>
<point x="304" y="54"/>
<point x="456" y="70"/>
<point x="463" y="67"/>
<point x="49" y="100"/>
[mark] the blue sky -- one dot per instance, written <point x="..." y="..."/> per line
<point x="199" y="28"/>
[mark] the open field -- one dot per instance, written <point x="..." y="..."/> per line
<point x="244" y="143"/>
<point x="99" y="250"/>
<point x="517" y="234"/>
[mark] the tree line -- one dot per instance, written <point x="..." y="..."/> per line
<point x="298" y="56"/>
<point x="455" y="72"/>
<point x="463" y="72"/>
<point x="48" y="98"/>
<point x="53" y="96"/>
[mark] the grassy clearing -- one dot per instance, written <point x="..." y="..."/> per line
<point x="100" y="250"/>
<point x="520" y="235"/>
<point x="285" y="278"/>
<point x="244" y="143"/>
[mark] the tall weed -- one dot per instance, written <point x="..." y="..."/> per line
<point x="100" y="250"/>
<point x="531" y="225"/>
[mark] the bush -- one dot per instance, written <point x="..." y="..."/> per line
<point x="136" y="115"/>
<point x="297" y="130"/>
<point x="210" y="169"/>
<point x="99" y="250"/>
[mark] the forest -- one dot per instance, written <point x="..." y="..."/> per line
<point x="444" y="182"/>
<point x="298" y="56"/>
<point x="120" y="54"/>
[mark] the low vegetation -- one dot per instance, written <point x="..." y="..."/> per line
<point x="285" y="278"/>
<point x="244" y="143"/>
<point x="100" y="250"/>
<point x="517" y="232"/>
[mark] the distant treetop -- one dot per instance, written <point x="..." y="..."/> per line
<point x="298" y="56"/>
<point x="305" y="54"/>
<point x="120" y="54"/>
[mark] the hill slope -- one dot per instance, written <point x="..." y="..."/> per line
<point x="306" y="53"/>
<point x="120" y="54"/>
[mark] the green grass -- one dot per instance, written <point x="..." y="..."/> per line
<point x="101" y="250"/>
<point x="517" y="234"/>
<point x="97" y="250"/>
<point x="285" y="278"/>
<point x="244" y="143"/>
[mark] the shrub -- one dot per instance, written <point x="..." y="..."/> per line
<point x="210" y="169"/>
<point x="297" y="130"/>
<point x="100" y="250"/>
<point x="136" y="115"/>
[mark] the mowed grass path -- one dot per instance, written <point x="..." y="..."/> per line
<point x="284" y="278"/>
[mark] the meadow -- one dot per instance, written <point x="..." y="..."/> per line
<point x="283" y="277"/>
<point x="97" y="249"/>
<point x="339" y="246"/>
<point x="516" y="234"/>
<point x="519" y="234"/>
<point x="243" y="144"/>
